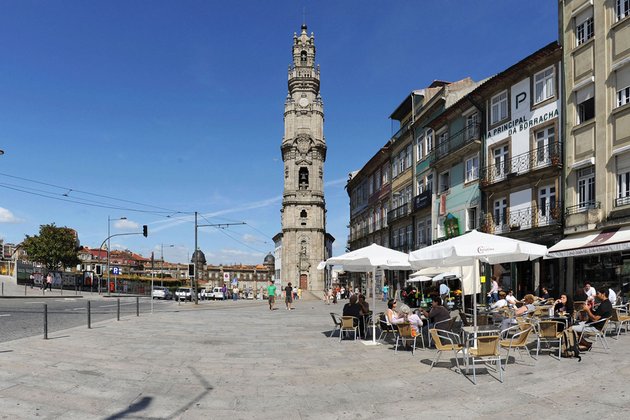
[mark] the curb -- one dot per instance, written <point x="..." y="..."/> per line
<point x="41" y="297"/>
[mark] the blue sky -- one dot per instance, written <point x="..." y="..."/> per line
<point x="148" y="109"/>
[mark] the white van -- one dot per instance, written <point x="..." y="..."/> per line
<point x="215" y="294"/>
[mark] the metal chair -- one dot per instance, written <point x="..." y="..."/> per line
<point x="386" y="328"/>
<point x="487" y="350"/>
<point x="337" y="322"/>
<point x="598" y="330"/>
<point x="445" y="341"/>
<point x="620" y="320"/>
<point x="550" y="332"/>
<point x="405" y="334"/>
<point x="349" y="323"/>
<point x="516" y="338"/>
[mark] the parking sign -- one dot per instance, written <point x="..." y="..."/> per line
<point x="115" y="271"/>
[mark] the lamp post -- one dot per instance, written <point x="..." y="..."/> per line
<point x="109" y="220"/>
<point x="162" y="262"/>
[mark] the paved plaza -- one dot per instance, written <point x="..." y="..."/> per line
<point x="239" y="360"/>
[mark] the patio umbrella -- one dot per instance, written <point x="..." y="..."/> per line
<point x="368" y="259"/>
<point x="474" y="247"/>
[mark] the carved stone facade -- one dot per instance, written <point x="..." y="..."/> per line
<point x="304" y="239"/>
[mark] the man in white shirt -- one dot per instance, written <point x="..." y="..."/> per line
<point x="589" y="291"/>
<point x="501" y="302"/>
<point x="510" y="298"/>
<point x="612" y="296"/>
<point x="444" y="291"/>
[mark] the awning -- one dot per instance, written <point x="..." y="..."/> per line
<point x="601" y="242"/>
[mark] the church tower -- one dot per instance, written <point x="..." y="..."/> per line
<point x="304" y="239"/>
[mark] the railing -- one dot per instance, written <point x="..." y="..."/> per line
<point x="524" y="218"/>
<point x="438" y="240"/>
<point x="622" y="201"/>
<point x="422" y="200"/>
<point x="397" y="213"/>
<point x="582" y="207"/>
<point x="401" y="131"/>
<point x="541" y="157"/>
<point x="455" y="142"/>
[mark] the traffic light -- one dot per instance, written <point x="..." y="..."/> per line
<point x="145" y="230"/>
<point x="191" y="270"/>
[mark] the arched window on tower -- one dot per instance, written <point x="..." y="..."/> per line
<point x="303" y="178"/>
<point x="303" y="216"/>
<point x="303" y="57"/>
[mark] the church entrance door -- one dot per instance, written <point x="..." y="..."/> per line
<point x="303" y="281"/>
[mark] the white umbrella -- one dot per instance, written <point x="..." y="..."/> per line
<point x="370" y="258"/>
<point x="473" y="247"/>
<point x="446" y="275"/>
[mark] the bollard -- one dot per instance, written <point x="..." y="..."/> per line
<point x="89" y="313"/>
<point x="137" y="306"/>
<point x="24" y="290"/>
<point x="118" y="310"/>
<point x="2" y="288"/>
<point x="45" y="321"/>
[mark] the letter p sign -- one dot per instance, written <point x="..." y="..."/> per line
<point x="520" y="98"/>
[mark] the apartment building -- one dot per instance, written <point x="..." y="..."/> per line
<point x="595" y="35"/>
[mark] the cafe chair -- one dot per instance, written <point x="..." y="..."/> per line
<point x="620" y="320"/>
<point x="550" y="332"/>
<point x="405" y="334"/>
<point x="487" y="350"/>
<point x="516" y="338"/>
<point x="445" y="341"/>
<point x="446" y="325"/>
<point x="348" y="324"/>
<point x="465" y="318"/>
<point x="598" y="330"/>
<point x="337" y="323"/>
<point x="386" y="328"/>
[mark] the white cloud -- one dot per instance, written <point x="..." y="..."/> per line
<point x="126" y="224"/>
<point x="7" y="217"/>
<point x="250" y="238"/>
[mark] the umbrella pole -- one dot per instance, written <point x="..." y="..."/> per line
<point x="373" y="304"/>
<point x="461" y="283"/>
<point x="477" y="279"/>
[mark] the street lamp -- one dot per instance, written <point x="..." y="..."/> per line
<point x="109" y="220"/>
<point x="162" y="262"/>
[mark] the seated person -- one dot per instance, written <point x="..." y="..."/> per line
<point x="510" y="298"/>
<point x="603" y="311"/>
<point x="412" y="318"/>
<point x="544" y="294"/>
<point x="438" y="312"/>
<point x="365" y="307"/>
<point x="502" y="302"/>
<point x="391" y="314"/>
<point x="562" y="304"/>
<point x="528" y="307"/>
<point x="352" y="308"/>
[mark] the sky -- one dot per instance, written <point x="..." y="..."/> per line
<point x="154" y="110"/>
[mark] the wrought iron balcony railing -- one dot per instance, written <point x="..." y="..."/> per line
<point x="455" y="142"/>
<point x="622" y="201"/>
<point x="549" y="155"/>
<point x="582" y="207"/>
<point x="397" y="213"/>
<point x="422" y="200"/>
<point x="521" y="219"/>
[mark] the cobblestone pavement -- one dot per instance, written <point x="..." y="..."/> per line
<point x="239" y="360"/>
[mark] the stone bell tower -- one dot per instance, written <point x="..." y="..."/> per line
<point x="303" y="153"/>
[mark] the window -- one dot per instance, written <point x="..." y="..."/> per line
<point x="303" y="178"/>
<point x="586" y="187"/>
<point x="623" y="9"/>
<point x="472" y="127"/>
<point x="428" y="140"/>
<point x="623" y="85"/>
<point x="471" y="218"/>
<point x="395" y="167"/>
<point x="623" y="180"/>
<point x="408" y="157"/>
<point x="444" y="182"/>
<point x="500" y="211"/>
<point x="584" y="27"/>
<point x="420" y="240"/>
<point x="544" y="143"/>
<point x="419" y="148"/>
<point x="472" y="168"/>
<point x="427" y="235"/>
<point x="419" y="185"/>
<point x="371" y="185"/>
<point x="443" y="143"/>
<point x="430" y="182"/>
<point x="585" y="100"/>
<point x="377" y="180"/>
<point x="546" y="202"/>
<point x="500" y="161"/>
<point x="385" y="173"/>
<point x="499" y="107"/>
<point x="410" y="235"/>
<point x="543" y="85"/>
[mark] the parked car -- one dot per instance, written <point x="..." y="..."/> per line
<point x="183" y="293"/>
<point x="161" y="293"/>
<point x="216" y="294"/>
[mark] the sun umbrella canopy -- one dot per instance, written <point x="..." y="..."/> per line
<point x="369" y="257"/>
<point x="418" y="279"/>
<point x="446" y="275"/>
<point x="466" y="248"/>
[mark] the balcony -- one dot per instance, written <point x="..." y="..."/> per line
<point x="523" y="219"/>
<point x="422" y="200"/>
<point x="583" y="207"/>
<point x="542" y="157"/>
<point x="455" y="142"/>
<point x="397" y="213"/>
<point x="622" y="201"/>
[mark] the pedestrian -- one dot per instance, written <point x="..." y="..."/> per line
<point x="235" y="293"/>
<point x="271" y="294"/>
<point x="32" y="279"/>
<point x="49" y="280"/>
<point x="299" y="292"/>
<point x="288" y="296"/>
<point x="385" y="290"/>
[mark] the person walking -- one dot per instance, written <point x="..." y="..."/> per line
<point x="49" y="280"/>
<point x="235" y="293"/>
<point x="288" y="296"/>
<point x="385" y="290"/>
<point x="271" y="294"/>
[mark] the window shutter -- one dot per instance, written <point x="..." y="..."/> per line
<point x="584" y="16"/>
<point x="585" y="94"/>
<point x="623" y="163"/>
<point x="623" y="77"/>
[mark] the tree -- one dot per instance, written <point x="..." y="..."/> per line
<point x="55" y="247"/>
